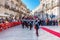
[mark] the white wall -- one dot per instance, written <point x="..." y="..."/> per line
<point x="56" y="11"/>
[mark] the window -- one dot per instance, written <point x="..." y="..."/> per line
<point x="0" y="4"/>
<point x="12" y="2"/>
<point x="52" y="2"/>
<point x="6" y="6"/>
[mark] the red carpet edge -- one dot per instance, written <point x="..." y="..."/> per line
<point x="51" y="31"/>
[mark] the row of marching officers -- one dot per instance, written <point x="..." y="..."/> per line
<point x="27" y="23"/>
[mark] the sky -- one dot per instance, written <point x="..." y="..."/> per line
<point x="31" y="4"/>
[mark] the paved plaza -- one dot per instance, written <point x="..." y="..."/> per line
<point x="17" y="33"/>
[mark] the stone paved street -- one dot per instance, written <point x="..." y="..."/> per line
<point x="17" y="33"/>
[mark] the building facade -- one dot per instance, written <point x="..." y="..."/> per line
<point x="13" y="8"/>
<point x="50" y="7"/>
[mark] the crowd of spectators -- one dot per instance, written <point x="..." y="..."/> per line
<point x="6" y="20"/>
<point x="46" y="22"/>
<point x="49" y="22"/>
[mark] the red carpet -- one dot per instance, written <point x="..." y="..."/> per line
<point x="51" y="31"/>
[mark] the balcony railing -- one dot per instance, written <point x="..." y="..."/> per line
<point x="12" y="8"/>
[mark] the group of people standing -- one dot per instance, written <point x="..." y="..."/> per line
<point x="8" y="19"/>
